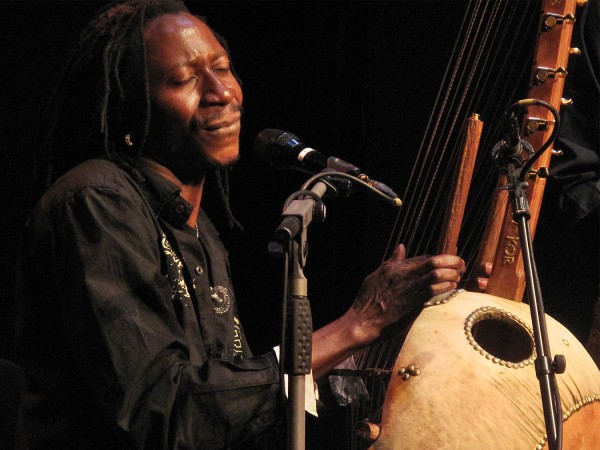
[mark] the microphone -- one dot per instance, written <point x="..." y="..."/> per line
<point x="512" y="138"/>
<point x="283" y="150"/>
<point x="510" y="148"/>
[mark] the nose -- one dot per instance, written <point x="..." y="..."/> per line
<point x="216" y="91"/>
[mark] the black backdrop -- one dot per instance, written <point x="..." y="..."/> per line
<point x="353" y="79"/>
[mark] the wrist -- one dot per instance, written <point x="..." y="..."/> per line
<point x="361" y="332"/>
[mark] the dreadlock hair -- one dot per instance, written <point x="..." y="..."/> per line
<point x="103" y="94"/>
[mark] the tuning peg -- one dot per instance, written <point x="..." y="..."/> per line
<point x="543" y="73"/>
<point x="534" y="124"/>
<point x="551" y="20"/>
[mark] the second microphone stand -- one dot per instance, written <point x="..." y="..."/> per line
<point x="546" y="368"/>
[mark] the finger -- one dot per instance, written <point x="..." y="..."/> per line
<point x="482" y="283"/>
<point x="399" y="253"/>
<point x="443" y="275"/>
<point x="440" y="288"/>
<point x="448" y="261"/>
<point x="488" y="268"/>
<point x="424" y="265"/>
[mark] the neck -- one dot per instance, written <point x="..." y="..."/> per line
<point x="192" y="193"/>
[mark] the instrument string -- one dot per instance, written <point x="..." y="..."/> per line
<point x="507" y="86"/>
<point x="429" y="159"/>
<point x="422" y="160"/>
<point x="482" y="76"/>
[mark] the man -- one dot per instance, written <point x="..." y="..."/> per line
<point x="130" y="331"/>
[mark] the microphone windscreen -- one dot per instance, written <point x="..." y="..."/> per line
<point x="264" y="143"/>
<point x="274" y="146"/>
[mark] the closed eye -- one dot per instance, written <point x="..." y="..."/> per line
<point x="184" y="81"/>
<point x="225" y="69"/>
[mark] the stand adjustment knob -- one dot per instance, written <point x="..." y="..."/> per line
<point x="559" y="364"/>
<point x="367" y="430"/>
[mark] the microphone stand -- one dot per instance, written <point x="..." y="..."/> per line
<point x="296" y="351"/>
<point x="544" y="366"/>
<point x="507" y="155"/>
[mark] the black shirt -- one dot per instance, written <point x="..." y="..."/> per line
<point x="130" y="337"/>
<point x="576" y="174"/>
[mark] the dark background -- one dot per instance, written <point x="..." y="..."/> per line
<point x="352" y="79"/>
<point x="333" y="73"/>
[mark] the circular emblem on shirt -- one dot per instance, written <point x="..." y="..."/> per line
<point x="220" y="299"/>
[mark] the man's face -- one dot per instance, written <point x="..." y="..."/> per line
<point x="196" y="99"/>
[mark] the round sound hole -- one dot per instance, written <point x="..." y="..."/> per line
<point x="500" y="336"/>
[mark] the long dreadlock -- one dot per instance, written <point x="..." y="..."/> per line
<point x="108" y="64"/>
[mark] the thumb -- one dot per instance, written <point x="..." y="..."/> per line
<point x="399" y="253"/>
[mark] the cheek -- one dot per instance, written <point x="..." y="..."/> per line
<point x="177" y="109"/>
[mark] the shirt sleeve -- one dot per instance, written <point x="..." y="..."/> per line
<point x="96" y="292"/>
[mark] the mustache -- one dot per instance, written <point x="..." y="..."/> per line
<point x="231" y="108"/>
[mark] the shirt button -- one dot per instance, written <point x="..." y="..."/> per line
<point x="180" y="209"/>
<point x="199" y="270"/>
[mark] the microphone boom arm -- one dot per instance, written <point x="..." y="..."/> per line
<point x="371" y="185"/>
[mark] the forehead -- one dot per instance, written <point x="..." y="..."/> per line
<point x="173" y="39"/>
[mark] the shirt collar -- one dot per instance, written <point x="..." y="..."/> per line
<point x="164" y="198"/>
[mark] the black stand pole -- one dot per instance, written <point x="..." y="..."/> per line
<point x="544" y="366"/>
<point x="508" y="157"/>
<point x="297" y="348"/>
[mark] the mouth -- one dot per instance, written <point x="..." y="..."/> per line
<point x="223" y="126"/>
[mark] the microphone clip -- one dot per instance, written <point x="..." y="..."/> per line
<point x="337" y="186"/>
<point x="509" y="151"/>
<point x="505" y="155"/>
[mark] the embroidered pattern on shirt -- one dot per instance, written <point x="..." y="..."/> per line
<point x="238" y="350"/>
<point x="220" y="299"/>
<point x="175" y="273"/>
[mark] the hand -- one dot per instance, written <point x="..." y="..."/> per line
<point x="399" y="285"/>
